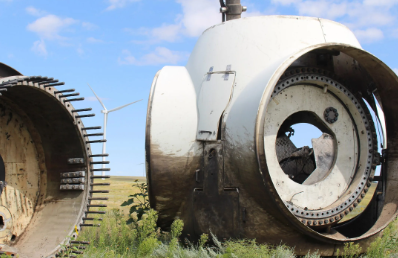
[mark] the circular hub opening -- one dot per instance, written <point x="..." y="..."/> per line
<point x="320" y="182"/>
<point x="310" y="159"/>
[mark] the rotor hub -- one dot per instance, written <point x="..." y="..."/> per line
<point x="322" y="184"/>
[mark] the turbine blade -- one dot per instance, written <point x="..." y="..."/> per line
<point x="102" y="104"/>
<point x="123" y="106"/>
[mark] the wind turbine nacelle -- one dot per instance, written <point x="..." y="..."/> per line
<point x="218" y="151"/>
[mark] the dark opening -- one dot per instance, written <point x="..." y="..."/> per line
<point x="1" y="222"/>
<point x="13" y="237"/>
<point x="219" y="136"/>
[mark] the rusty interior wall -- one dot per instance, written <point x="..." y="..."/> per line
<point x="35" y="145"/>
<point x="21" y="161"/>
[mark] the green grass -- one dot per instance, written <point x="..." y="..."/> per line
<point x="119" y="190"/>
<point x="114" y="238"/>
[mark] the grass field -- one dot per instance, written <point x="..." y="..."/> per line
<point x="121" y="187"/>
<point x="142" y="238"/>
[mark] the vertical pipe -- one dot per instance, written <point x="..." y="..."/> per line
<point x="234" y="9"/>
<point x="222" y="4"/>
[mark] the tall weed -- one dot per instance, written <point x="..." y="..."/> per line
<point x="386" y="245"/>
<point x="139" y="237"/>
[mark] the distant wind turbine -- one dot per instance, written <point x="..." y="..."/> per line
<point x="106" y="112"/>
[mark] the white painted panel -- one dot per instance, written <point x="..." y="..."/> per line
<point x="172" y="119"/>
<point x="215" y="93"/>
<point x="337" y="32"/>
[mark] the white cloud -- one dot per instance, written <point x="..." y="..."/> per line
<point x="395" y="33"/>
<point x="80" y="50"/>
<point x="363" y="16"/>
<point x="367" y="18"/>
<point x="395" y="70"/>
<point x="256" y="13"/>
<point x="380" y="2"/>
<point x="127" y="58"/>
<point x="285" y="2"/>
<point x="88" y="25"/>
<point x="369" y="35"/>
<point x="114" y="4"/>
<point x="324" y="9"/>
<point x="161" y="55"/>
<point x="49" y="26"/>
<point x="369" y="12"/>
<point x="35" y="12"/>
<point x="94" y="40"/>
<point x="199" y="15"/>
<point x="195" y="18"/>
<point x="39" y="47"/>
<point x="166" y="32"/>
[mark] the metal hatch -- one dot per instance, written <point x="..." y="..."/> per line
<point x="214" y="96"/>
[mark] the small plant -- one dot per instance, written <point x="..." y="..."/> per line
<point x="66" y="249"/>
<point x="139" y="201"/>
<point x="249" y="248"/>
<point x="176" y="229"/>
<point x="203" y="240"/>
<point x="350" y="250"/>
<point x="386" y="245"/>
<point x="147" y="233"/>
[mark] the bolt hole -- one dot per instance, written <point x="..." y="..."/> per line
<point x="13" y="237"/>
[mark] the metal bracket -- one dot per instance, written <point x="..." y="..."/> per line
<point x="226" y="76"/>
<point x="197" y="175"/>
<point x="76" y="161"/>
<point x="72" y="181"/>
<point x="203" y="131"/>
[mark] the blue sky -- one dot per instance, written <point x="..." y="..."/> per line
<point x="118" y="45"/>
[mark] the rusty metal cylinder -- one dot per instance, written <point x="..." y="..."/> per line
<point x="47" y="168"/>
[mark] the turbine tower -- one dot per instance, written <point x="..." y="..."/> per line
<point x="106" y="112"/>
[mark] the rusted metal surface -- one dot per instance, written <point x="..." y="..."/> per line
<point x="199" y="180"/>
<point x="22" y="172"/>
<point x="39" y="134"/>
